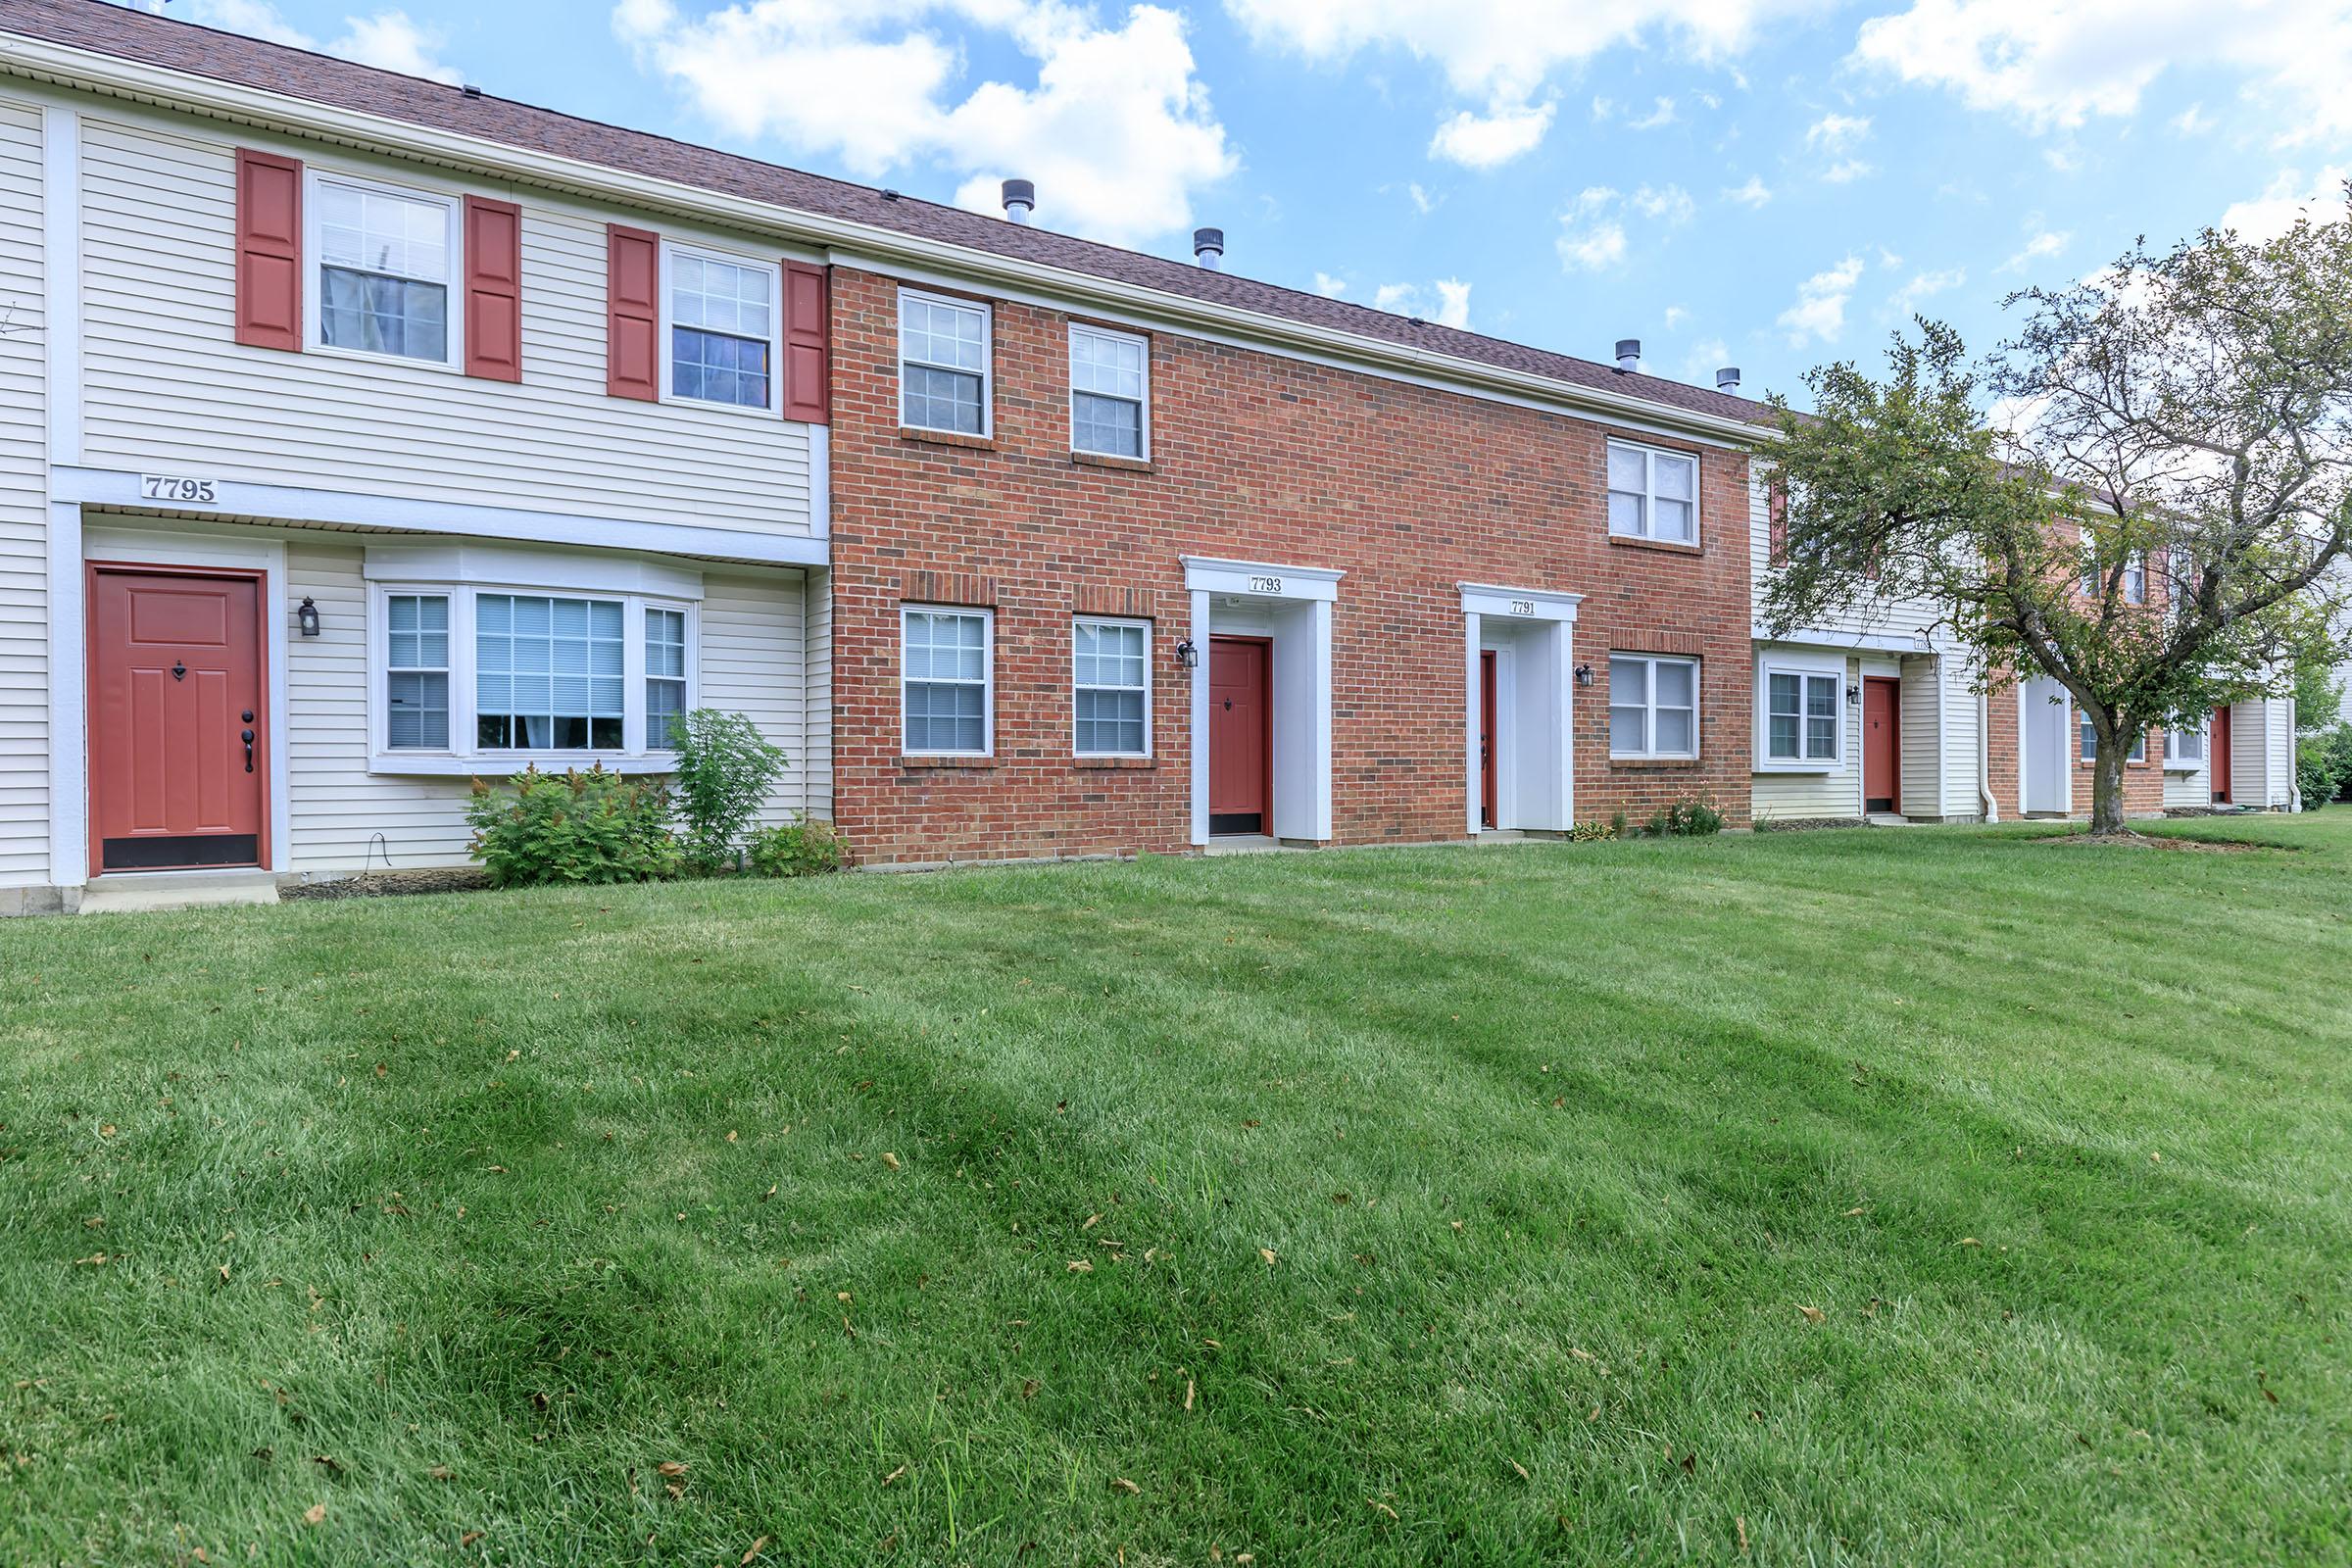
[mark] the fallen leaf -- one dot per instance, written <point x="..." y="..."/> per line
<point x="439" y="1472"/>
<point x="316" y="1513"/>
<point x="1122" y="1483"/>
<point x="1092" y="1220"/>
<point x="1813" y="1314"/>
<point x="1381" y="1507"/>
<point x="893" y="1475"/>
<point x="469" y="1538"/>
<point x="1739" y="1523"/>
<point x="730" y="1135"/>
<point x="1522" y="1469"/>
<point x="1029" y="1387"/>
<point x="755" y="1551"/>
<point x="670" y="1468"/>
<point x="1968" y="1241"/>
<point x="1851" y="1213"/>
<point x="1188" y="1393"/>
<point x="1080" y="1265"/>
<point x="770" y="1193"/>
<point x="106" y="1131"/>
<point x="889" y="1160"/>
<point x="1267" y="1253"/>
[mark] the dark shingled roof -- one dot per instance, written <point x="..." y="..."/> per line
<point x="115" y="29"/>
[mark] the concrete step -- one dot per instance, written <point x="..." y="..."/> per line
<point x="136" y="892"/>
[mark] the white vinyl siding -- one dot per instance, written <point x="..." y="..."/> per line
<point x="1653" y="493"/>
<point x="23" y="510"/>
<point x="1653" y="707"/>
<point x="816" y="712"/>
<point x="170" y="390"/>
<point x="344" y="817"/>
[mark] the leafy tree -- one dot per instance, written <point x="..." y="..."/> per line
<point x="725" y="770"/>
<point x="2144" y="495"/>
<point x="2319" y="694"/>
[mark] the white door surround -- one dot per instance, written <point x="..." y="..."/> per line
<point x="1292" y="607"/>
<point x="2045" y="746"/>
<point x="1532" y="632"/>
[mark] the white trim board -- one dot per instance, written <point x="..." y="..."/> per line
<point x="120" y="491"/>
<point x="41" y="59"/>
<point x="1261" y="579"/>
<point x="1518" y="604"/>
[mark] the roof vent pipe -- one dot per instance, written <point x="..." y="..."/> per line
<point x="1727" y="380"/>
<point x="1629" y="355"/>
<point x="1021" y="199"/>
<point x="1208" y="248"/>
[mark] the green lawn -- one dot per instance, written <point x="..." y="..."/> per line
<point x="1919" y="1197"/>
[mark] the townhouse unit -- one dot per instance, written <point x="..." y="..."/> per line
<point x="368" y="436"/>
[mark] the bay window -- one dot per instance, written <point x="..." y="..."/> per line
<point x="417" y="672"/>
<point x="1653" y="707"/>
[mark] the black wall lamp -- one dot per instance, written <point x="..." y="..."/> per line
<point x="1853" y="694"/>
<point x="1584" y="675"/>
<point x="308" y="616"/>
<point x="1187" y="655"/>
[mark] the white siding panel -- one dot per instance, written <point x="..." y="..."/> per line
<point x="23" y="509"/>
<point x="816" y="721"/>
<point x="1922" y="744"/>
<point x="169" y="386"/>
<point x="755" y="662"/>
<point x="1904" y="617"/>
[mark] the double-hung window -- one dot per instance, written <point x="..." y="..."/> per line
<point x="2185" y="750"/>
<point x="385" y="261"/>
<point x="1110" y="678"/>
<point x="1653" y="494"/>
<point x="1111" y="393"/>
<point x="1803" y="710"/>
<point x="2136" y="580"/>
<point x="1653" y="707"/>
<point x="2090" y="744"/>
<point x="489" y="677"/>
<point x="942" y="365"/>
<point x="945" y="678"/>
<point x="722" y="328"/>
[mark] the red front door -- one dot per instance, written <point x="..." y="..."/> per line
<point x="1240" y="747"/>
<point x="2221" y="757"/>
<point x="178" y="770"/>
<point x="1881" y="745"/>
<point x="1486" y="737"/>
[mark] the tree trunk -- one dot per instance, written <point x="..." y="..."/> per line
<point x="2107" y="787"/>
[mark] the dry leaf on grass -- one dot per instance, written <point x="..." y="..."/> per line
<point x="1522" y="1469"/>
<point x="316" y="1513"/>
<point x="1080" y="1265"/>
<point x="1381" y="1507"/>
<point x="1968" y="1241"/>
<point x="755" y="1551"/>
<point x="468" y="1539"/>
<point x="894" y="1475"/>
<point x="1122" y="1483"/>
<point x="889" y="1160"/>
<point x="1814" y="1314"/>
<point x="1188" y="1393"/>
<point x="1267" y="1253"/>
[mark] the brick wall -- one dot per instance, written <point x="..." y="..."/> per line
<point x="1408" y="491"/>
<point x="2143" y="782"/>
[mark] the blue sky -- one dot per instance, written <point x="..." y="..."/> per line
<point x="1768" y="183"/>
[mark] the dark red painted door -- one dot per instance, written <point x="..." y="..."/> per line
<point x="2221" y="757"/>
<point x="1486" y="737"/>
<point x="178" y="768"/>
<point x="1881" y="745"/>
<point x="1241" y="749"/>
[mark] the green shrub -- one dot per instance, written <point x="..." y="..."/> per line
<point x="806" y="848"/>
<point x="577" y="827"/>
<point x="725" y="769"/>
<point x="1586" y="832"/>
<point x="2323" y="767"/>
<point x="1686" y="818"/>
<point x="1617" y="825"/>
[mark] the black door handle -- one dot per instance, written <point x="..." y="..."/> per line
<point x="248" y="751"/>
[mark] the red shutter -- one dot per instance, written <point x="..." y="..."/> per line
<point x="493" y="289"/>
<point x="268" y="250"/>
<point x="632" y="313"/>
<point x="1776" y="492"/>
<point x="804" y="372"/>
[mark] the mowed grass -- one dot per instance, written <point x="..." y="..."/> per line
<point x="1918" y="1197"/>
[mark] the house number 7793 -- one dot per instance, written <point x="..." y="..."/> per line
<point x="1265" y="585"/>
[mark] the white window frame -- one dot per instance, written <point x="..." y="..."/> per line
<point x="773" y="268"/>
<point x="463" y="756"/>
<point x="2136" y="578"/>
<point x="987" y="677"/>
<point x="2176" y="762"/>
<point x="1650" y="492"/>
<point x="1123" y="621"/>
<point x="2139" y="752"/>
<point x="988" y="361"/>
<point x="314" y="260"/>
<point x="1649" y="707"/>
<point x="1803" y="671"/>
<point x="1143" y="453"/>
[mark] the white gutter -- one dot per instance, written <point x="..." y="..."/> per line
<point x="41" y="59"/>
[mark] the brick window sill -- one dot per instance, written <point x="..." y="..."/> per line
<point x="1100" y="460"/>
<point x="946" y="438"/>
<point x="1119" y="764"/>
<point x="1653" y="764"/>
<point x="1672" y="547"/>
<point x="948" y="763"/>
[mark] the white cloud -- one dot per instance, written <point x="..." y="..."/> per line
<point x="1117" y="132"/>
<point x="2192" y="121"/>
<point x="1602" y="108"/>
<point x="1490" y="140"/>
<point x="2043" y="244"/>
<point x="1820" y="309"/>
<point x="1707" y="356"/>
<point x="1925" y="284"/>
<point x="1670" y="203"/>
<point x="2287" y="197"/>
<point x="1423" y="202"/>
<point x="1450" y="307"/>
<point x="2056" y="63"/>
<point x="1330" y="288"/>
<point x="1590" y="240"/>
<point x="1847" y="171"/>
<point x="1755" y="193"/>
<point x="1834" y="133"/>
<point x="1661" y="114"/>
<point x="1675" y="315"/>
<point x="387" y="39"/>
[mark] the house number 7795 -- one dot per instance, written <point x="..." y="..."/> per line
<point x="172" y="487"/>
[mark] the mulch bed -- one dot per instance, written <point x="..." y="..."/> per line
<point x="2142" y="841"/>
<point x="393" y="884"/>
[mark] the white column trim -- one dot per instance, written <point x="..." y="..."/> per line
<point x="1198" y="634"/>
<point x="820" y="481"/>
<point x="60" y="338"/>
<point x="1471" y="634"/>
<point x="1319" y="719"/>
